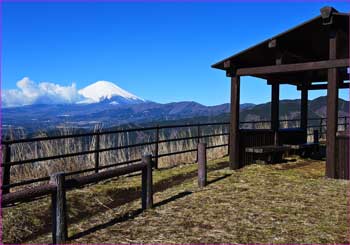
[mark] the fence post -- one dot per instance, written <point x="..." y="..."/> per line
<point x="316" y="136"/>
<point x="147" y="182"/>
<point x="59" y="209"/>
<point x="321" y="123"/>
<point x="97" y="153"/>
<point x="198" y="138"/>
<point x="156" y="148"/>
<point x="228" y="141"/>
<point x="6" y="169"/>
<point x="202" y="164"/>
<point x="345" y="123"/>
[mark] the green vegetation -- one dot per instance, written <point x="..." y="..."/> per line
<point x="282" y="203"/>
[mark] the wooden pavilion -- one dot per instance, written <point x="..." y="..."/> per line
<point x="313" y="55"/>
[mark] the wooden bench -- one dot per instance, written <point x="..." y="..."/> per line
<point x="306" y="149"/>
<point x="268" y="153"/>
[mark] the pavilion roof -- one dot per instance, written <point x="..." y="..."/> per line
<point x="306" y="42"/>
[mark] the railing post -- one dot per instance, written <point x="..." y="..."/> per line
<point x="321" y="123"/>
<point x="198" y="138"/>
<point x="147" y="182"/>
<point x="156" y="150"/>
<point x="228" y="144"/>
<point x="345" y="123"/>
<point x="316" y="136"/>
<point x="59" y="209"/>
<point x="6" y="169"/>
<point x="97" y="153"/>
<point x="202" y="165"/>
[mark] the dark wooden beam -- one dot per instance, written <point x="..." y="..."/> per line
<point x="234" y="129"/>
<point x="270" y="82"/>
<point x="275" y="91"/>
<point x="324" y="86"/>
<point x="303" y="108"/>
<point x="307" y="66"/>
<point x="332" y="109"/>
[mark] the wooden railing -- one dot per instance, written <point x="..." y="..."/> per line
<point x="58" y="183"/>
<point x="58" y="186"/>
<point x="7" y="163"/>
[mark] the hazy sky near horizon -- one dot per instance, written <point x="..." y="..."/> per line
<point x="158" y="51"/>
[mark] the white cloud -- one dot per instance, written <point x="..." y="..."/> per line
<point x="29" y="92"/>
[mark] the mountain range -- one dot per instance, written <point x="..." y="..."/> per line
<point x="107" y="104"/>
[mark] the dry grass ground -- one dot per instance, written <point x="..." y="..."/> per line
<point x="283" y="203"/>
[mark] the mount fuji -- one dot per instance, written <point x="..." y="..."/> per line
<point x="107" y="92"/>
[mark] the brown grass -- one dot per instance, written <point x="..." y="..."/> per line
<point x="32" y="150"/>
<point x="283" y="203"/>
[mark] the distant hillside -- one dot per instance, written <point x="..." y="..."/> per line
<point x="290" y="109"/>
<point x="85" y="116"/>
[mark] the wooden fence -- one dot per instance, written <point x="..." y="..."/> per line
<point x="58" y="184"/>
<point x="7" y="163"/>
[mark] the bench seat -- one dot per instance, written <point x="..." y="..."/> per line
<point x="306" y="149"/>
<point x="303" y="146"/>
<point x="267" y="149"/>
<point x="267" y="153"/>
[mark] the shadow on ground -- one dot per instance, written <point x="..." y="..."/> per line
<point x="123" y="196"/>
<point x="128" y="216"/>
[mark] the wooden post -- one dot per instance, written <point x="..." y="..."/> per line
<point x="198" y="138"/>
<point x="234" y="129"/>
<point x="156" y="148"/>
<point x="147" y="188"/>
<point x="228" y="143"/>
<point x="6" y="169"/>
<point x="316" y="136"/>
<point x="345" y="123"/>
<point x="321" y="123"/>
<point x="332" y="110"/>
<point x="303" y="108"/>
<point x="275" y="90"/>
<point x="59" y="209"/>
<point x="97" y="154"/>
<point x="202" y="164"/>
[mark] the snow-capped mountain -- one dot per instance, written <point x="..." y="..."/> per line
<point x="29" y="92"/>
<point x="108" y="92"/>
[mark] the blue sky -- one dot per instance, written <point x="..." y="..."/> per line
<point x="158" y="51"/>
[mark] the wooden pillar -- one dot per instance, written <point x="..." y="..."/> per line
<point x="332" y="110"/>
<point x="234" y="129"/>
<point x="303" y="108"/>
<point x="275" y="94"/>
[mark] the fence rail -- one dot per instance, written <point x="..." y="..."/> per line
<point x="58" y="184"/>
<point x="7" y="163"/>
